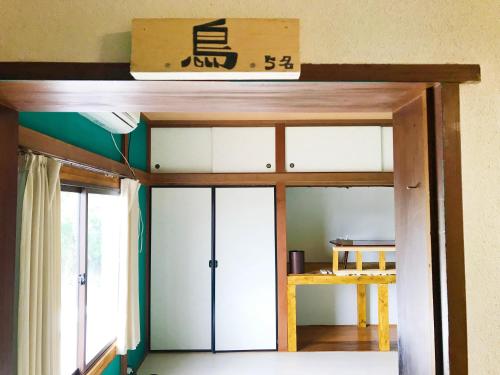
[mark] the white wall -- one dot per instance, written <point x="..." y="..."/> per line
<point x="317" y="215"/>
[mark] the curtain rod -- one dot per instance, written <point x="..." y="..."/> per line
<point x="25" y="151"/>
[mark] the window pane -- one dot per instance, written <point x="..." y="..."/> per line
<point x="69" y="280"/>
<point x="102" y="272"/>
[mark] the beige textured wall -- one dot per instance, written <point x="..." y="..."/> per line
<point x="350" y="31"/>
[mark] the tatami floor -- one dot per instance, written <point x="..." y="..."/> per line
<point x="271" y="363"/>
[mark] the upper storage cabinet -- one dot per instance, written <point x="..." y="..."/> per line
<point x="334" y="149"/>
<point x="243" y="150"/>
<point x="217" y="150"/>
<point x="177" y="150"/>
<point x="387" y="157"/>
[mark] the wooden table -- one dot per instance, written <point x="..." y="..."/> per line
<point x="381" y="276"/>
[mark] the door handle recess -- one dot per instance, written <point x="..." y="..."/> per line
<point x="416" y="186"/>
<point x="211" y="264"/>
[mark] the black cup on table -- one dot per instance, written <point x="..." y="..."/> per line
<point x="296" y="261"/>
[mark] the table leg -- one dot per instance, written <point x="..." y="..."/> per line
<point x="361" y="305"/>
<point x="383" y="318"/>
<point x="292" y="318"/>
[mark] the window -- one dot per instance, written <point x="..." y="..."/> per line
<point x="89" y="284"/>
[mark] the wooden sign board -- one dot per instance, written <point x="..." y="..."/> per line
<point x="211" y="49"/>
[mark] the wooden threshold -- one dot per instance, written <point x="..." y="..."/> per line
<point x="457" y="73"/>
<point x="269" y="179"/>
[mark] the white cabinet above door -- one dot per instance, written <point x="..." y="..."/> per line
<point x="243" y="150"/>
<point x="181" y="150"/>
<point x="387" y="149"/>
<point x="333" y="149"/>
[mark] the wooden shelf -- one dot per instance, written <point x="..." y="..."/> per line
<point x="323" y="338"/>
<point x="313" y="268"/>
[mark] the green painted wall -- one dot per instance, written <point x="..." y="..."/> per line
<point x="113" y="368"/>
<point x="78" y="131"/>
<point x="73" y="129"/>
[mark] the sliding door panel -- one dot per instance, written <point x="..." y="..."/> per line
<point x="181" y="243"/>
<point x="245" y="286"/>
<point x="416" y="331"/>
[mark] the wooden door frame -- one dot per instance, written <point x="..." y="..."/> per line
<point x="445" y="175"/>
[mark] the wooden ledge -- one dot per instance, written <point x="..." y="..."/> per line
<point x="457" y="73"/>
<point x="291" y="179"/>
<point x="305" y="279"/>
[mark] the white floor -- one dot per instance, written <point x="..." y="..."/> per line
<point x="271" y="363"/>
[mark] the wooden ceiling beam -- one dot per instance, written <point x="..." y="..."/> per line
<point x="456" y="73"/>
<point x="262" y="123"/>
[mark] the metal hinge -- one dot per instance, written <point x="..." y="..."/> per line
<point x="82" y="279"/>
<point x="210" y="264"/>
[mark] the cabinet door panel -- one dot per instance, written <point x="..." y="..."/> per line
<point x="387" y="149"/>
<point x="243" y="150"/>
<point x="245" y="296"/>
<point x="181" y="150"/>
<point x="333" y="149"/>
<point x="181" y="243"/>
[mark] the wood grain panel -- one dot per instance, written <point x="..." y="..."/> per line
<point x="414" y="255"/>
<point x="207" y="96"/>
<point x="266" y="179"/>
<point x="77" y="176"/>
<point x="281" y="262"/>
<point x="391" y="72"/>
<point x="448" y="180"/>
<point x="309" y="72"/>
<point x="8" y="215"/>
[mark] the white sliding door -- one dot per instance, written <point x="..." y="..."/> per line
<point x="245" y="286"/>
<point x="181" y="243"/>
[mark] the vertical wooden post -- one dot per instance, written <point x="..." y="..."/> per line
<point x="8" y="215"/>
<point x="359" y="260"/>
<point x="282" y="271"/>
<point x="335" y="261"/>
<point x="292" y="317"/>
<point x="280" y="148"/>
<point x="123" y="364"/>
<point x="383" y="317"/>
<point x="281" y="265"/>
<point x="125" y="143"/>
<point x="381" y="260"/>
<point x="361" y="291"/>
<point x="448" y="262"/>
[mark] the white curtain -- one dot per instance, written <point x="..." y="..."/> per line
<point x="129" y="331"/>
<point x="39" y="301"/>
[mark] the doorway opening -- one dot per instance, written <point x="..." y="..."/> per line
<point x="421" y="113"/>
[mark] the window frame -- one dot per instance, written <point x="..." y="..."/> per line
<point x="82" y="366"/>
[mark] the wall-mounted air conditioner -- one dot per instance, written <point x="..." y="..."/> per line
<point x="115" y="122"/>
